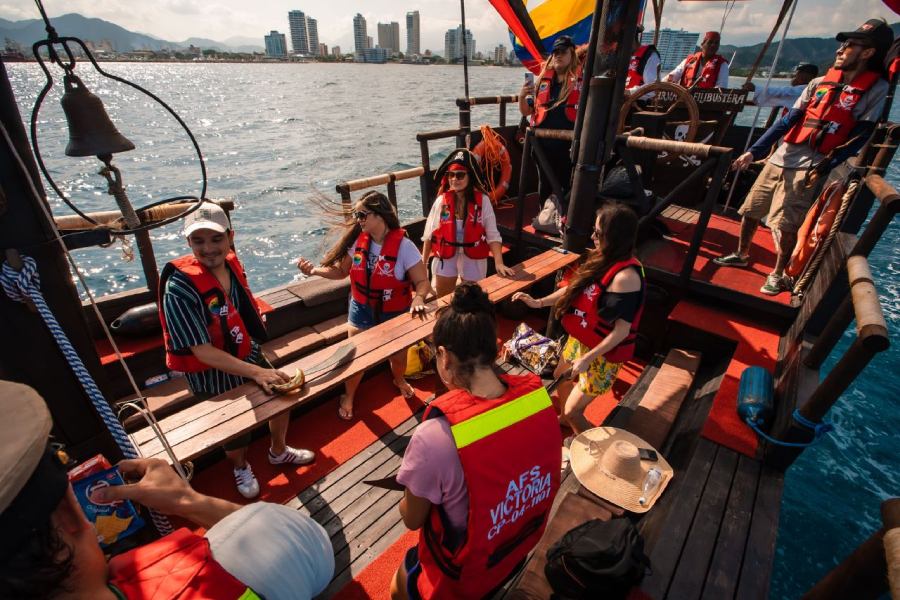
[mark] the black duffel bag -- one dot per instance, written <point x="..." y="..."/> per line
<point x="597" y="559"/>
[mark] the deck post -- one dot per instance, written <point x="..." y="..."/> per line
<point x="863" y="574"/>
<point x="520" y="199"/>
<point x="871" y="338"/>
<point x="465" y="120"/>
<point x="601" y="114"/>
<point x="723" y="161"/>
<point x="30" y="354"/>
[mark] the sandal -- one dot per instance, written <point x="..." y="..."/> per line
<point x="344" y="414"/>
<point x="409" y="393"/>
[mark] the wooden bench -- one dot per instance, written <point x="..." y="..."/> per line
<point x="206" y="425"/>
<point x="648" y="409"/>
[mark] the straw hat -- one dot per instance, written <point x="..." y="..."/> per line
<point x="605" y="460"/>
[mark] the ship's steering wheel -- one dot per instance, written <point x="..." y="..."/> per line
<point x="682" y="97"/>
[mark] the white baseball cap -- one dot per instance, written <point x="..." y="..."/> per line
<point x="208" y="216"/>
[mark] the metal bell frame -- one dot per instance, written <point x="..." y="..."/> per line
<point x="69" y="67"/>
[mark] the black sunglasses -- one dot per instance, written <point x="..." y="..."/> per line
<point x="360" y="215"/>
<point x="456" y="174"/>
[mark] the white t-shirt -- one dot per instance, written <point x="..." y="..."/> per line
<point x="407" y="257"/>
<point x="488" y="218"/>
<point x="801" y="156"/>
<point x="651" y="70"/>
<point x="279" y="552"/>
<point x="778" y="95"/>
<point x="721" y="80"/>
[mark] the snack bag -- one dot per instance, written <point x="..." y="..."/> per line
<point x="531" y="349"/>
<point x="113" y="520"/>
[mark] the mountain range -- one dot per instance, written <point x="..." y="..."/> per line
<point x="122" y="40"/>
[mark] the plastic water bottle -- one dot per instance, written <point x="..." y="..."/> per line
<point x="651" y="482"/>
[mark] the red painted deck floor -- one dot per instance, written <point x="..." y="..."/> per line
<point x="721" y="238"/>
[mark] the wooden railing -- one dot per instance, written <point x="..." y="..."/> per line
<point x="345" y="187"/>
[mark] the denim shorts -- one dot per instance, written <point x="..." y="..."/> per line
<point x="362" y="316"/>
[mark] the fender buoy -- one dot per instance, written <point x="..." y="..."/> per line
<point x="816" y="226"/>
<point x="492" y="154"/>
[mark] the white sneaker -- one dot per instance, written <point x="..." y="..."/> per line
<point x="292" y="456"/>
<point x="247" y="485"/>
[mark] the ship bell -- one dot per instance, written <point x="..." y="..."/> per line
<point x="91" y="132"/>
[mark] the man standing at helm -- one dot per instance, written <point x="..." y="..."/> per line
<point x="829" y="123"/>
<point x="704" y="69"/>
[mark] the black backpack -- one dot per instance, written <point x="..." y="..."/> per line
<point x="597" y="559"/>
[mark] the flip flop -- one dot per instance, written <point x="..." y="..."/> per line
<point x="343" y="413"/>
<point x="406" y="396"/>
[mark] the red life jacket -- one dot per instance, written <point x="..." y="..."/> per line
<point x="511" y="463"/>
<point x="179" y="566"/>
<point x="229" y="329"/>
<point x="474" y="243"/>
<point x="379" y="288"/>
<point x="828" y="118"/>
<point x="708" y="75"/>
<point x="542" y="101"/>
<point x="635" y="75"/>
<point x="582" y="322"/>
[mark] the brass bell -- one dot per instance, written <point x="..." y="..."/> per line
<point x="91" y="132"/>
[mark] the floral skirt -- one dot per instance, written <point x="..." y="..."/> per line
<point x="601" y="374"/>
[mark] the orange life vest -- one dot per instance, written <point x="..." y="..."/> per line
<point x="583" y="322"/>
<point x="511" y="464"/>
<point x="828" y="119"/>
<point x="379" y="287"/>
<point x="708" y="75"/>
<point x="474" y="242"/>
<point x="179" y="566"/>
<point x="635" y="75"/>
<point x="230" y="329"/>
<point x="543" y="102"/>
<point x="816" y="226"/>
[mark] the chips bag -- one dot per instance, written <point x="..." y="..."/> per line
<point x="111" y="520"/>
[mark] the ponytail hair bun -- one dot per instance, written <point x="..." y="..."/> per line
<point x="469" y="298"/>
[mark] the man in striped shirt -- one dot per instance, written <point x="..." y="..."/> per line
<point x="210" y="320"/>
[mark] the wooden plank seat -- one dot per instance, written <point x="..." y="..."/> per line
<point x="648" y="409"/>
<point x="171" y="396"/>
<point x="208" y="424"/>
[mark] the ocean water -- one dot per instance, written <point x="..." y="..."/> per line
<point x="277" y="138"/>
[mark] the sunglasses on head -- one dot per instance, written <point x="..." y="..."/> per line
<point x="456" y="174"/>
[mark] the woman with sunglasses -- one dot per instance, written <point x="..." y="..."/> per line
<point x="554" y="106"/>
<point x="600" y="308"/>
<point x="461" y="229"/>
<point x="387" y="278"/>
<point x="458" y="466"/>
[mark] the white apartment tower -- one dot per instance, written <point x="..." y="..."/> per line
<point x="413" y="39"/>
<point x="673" y="46"/>
<point x="312" y="32"/>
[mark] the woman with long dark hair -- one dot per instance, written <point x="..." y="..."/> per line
<point x="554" y="105"/>
<point x="461" y="229"/>
<point x="600" y="309"/>
<point x="478" y="489"/>
<point x="385" y="268"/>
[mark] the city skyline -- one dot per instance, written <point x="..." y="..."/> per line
<point x="222" y="20"/>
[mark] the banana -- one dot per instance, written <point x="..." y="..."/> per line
<point x="293" y="385"/>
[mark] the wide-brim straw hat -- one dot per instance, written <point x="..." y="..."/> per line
<point x="605" y="460"/>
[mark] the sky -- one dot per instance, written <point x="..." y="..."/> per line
<point x="176" y="20"/>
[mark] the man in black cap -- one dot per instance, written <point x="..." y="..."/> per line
<point x="48" y="549"/>
<point x="555" y="106"/>
<point x="785" y="96"/>
<point x="829" y="123"/>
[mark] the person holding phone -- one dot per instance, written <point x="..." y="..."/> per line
<point x="554" y="105"/>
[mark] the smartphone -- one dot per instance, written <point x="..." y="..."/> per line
<point x="648" y="454"/>
<point x="529" y="78"/>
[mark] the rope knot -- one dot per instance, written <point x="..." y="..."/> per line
<point x="18" y="285"/>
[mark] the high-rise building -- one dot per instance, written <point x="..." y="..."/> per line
<point x="312" y="32"/>
<point x="359" y="34"/>
<point x="299" y="37"/>
<point x="500" y="55"/>
<point x="323" y="49"/>
<point x="389" y="37"/>
<point x="373" y="55"/>
<point x="673" y="46"/>
<point x="276" y="45"/>
<point x="413" y="39"/>
<point x="336" y="51"/>
<point x="453" y="44"/>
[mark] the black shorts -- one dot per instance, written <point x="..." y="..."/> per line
<point x="413" y="570"/>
